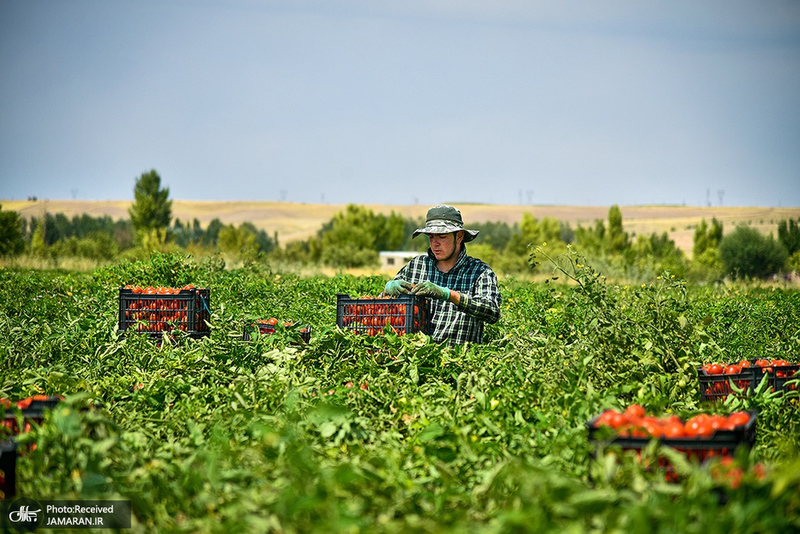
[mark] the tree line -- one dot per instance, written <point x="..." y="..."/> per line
<point x="355" y="236"/>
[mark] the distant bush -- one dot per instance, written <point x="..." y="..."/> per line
<point x="11" y="236"/>
<point x="746" y="253"/>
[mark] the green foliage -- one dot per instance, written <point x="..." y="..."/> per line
<point x="496" y="235"/>
<point x="151" y="209"/>
<point x="533" y="232"/>
<point x="706" y="264"/>
<point x="706" y="237"/>
<point x="244" y="241"/>
<point x="793" y="263"/>
<point x="390" y="433"/>
<point x="99" y="247"/>
<point x="11" y="236"/>
<point x="658" y="253"/>
<point x="789" y="235"/>
<point x="351" y="237"/>
<point x="746" y="253"/>
<point x="212" y="232"/>
<point x="605" y="240"/>
<point x="616" y="237"/>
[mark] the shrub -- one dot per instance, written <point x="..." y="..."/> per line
<point x="746" y="253"/>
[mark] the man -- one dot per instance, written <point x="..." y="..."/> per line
<point x="462" y="290"/>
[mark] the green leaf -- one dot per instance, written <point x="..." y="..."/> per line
<point x="431" y="432"/>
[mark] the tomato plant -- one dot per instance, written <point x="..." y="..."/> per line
<point x="392" y="432"/>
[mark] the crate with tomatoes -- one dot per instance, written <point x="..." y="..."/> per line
<point x="403" y="314"/>
<point x="781" y="374"/>
<point x="19" y="415"/>
<point x="698" y="437"/>
<point x="269" y="326"/>
<point x="155" y="310"/>
<point x="718" y="380"/>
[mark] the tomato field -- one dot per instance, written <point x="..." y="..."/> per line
<point x="350" y="432"/>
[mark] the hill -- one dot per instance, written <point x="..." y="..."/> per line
<point x="293" y="221"/>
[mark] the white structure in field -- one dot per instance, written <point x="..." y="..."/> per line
<point x="394" y="259"/>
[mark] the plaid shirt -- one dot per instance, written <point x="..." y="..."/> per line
<point x="476" y="284"/>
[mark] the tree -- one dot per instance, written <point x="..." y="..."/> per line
<point x="616" y="238"/>
<point x="240" y="241"/>
<point x="789" y="236"/>
<point x="706" y="237"/>
<point x="212" y="232"/>
<point x="747" y="253"/>
<point x="152" y="210"/>
<point x="12" y="240"/>
<point x="660" y="252"/>
<point x="601" y="239"/>
<point x="706" y="260"/>
<point x="389" y="231"/>
<point x="349" y="239"/>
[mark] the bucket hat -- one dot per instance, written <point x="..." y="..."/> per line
<point x="444" y="219"/>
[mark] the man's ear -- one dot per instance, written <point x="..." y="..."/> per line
<point x="459" y="237"/>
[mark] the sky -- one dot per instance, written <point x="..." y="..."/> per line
<point x="596" y="102"/>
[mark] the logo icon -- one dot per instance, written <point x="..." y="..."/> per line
<point x="25" y="515"/>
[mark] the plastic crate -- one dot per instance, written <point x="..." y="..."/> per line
<point x="720" y="443"/>
<point x="8" y="469"/>
<point x="405" y="314"/>
<point x="266" y="329"/>
<point x="188" y="310"/>
<point x="777" y="376"/>
<point x="785" y="378"/>
<point x="716" y="388"/>
<point x="32" y="412"/>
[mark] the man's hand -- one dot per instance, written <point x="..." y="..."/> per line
<point x="429" y="289"/>
<point x="397" y="287"/>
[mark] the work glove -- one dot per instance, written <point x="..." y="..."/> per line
<point x="429" y="289"/>
<point x="396" y="287"/>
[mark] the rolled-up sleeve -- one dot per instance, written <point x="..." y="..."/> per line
<point x="483" y="301"/>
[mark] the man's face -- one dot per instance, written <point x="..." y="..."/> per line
<point x="444" y="246"/>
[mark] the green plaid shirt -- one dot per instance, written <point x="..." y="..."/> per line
<point x="477" y="285"/>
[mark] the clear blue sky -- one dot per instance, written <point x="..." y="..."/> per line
<point x="505" y="102"/>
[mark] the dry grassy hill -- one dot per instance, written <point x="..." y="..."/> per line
<point x="294" y="221"/>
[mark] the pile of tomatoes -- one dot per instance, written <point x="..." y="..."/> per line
<point x="163" y="309"/>
<point x="267" y="326"/>
<point x="697" y="437"/>
<point x="717" y="378"/>
<point x="738" y="368"/>
<point x="634" y="422"/>
<point x="369" y="315"/>
<point x="138" y="290"/>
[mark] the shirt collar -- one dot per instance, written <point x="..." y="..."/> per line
<point x="462" y="257"/>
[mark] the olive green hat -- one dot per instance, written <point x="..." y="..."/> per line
<point x="445" y="219"/>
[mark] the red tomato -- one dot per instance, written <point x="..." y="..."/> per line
<point x="653" y="428"/>
<point x="733" y="370"/>
<point x="717" y="421"/>
<point x="674" y="430"/>
<point x="699" y="426"/>
<point x="739" y="418"/>
<point x="611" y="418"/>
<point x="634" y="412"/>
<point x="715" y="369"/>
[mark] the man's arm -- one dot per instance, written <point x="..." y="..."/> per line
<point x="483" y="302"/>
